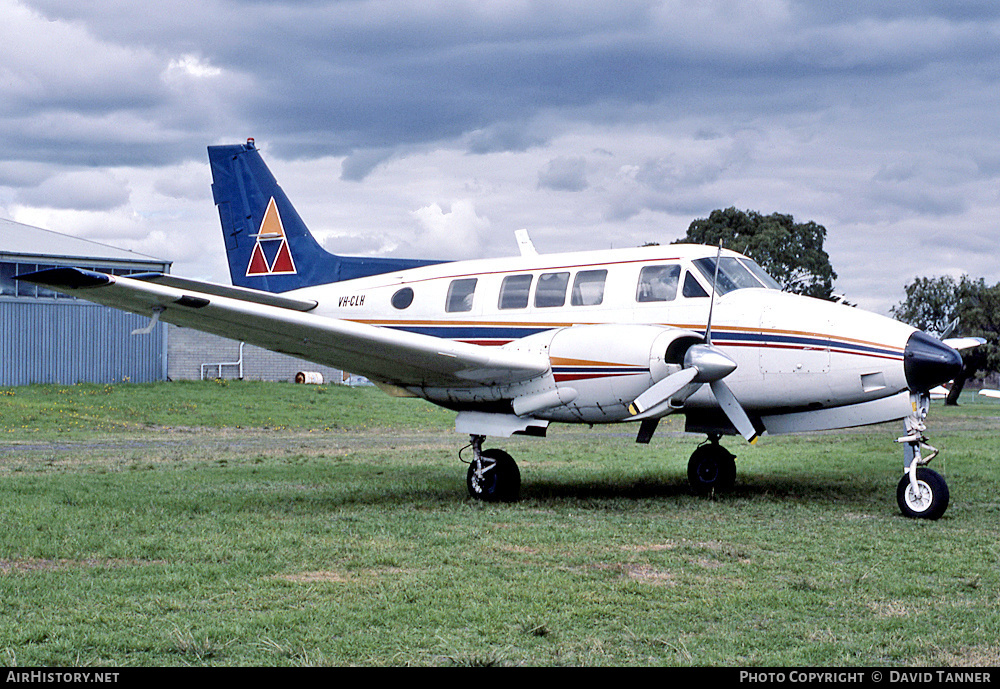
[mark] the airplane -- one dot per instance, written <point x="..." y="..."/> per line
<point x="939" y="392"/>
<point x="514" y="344"/>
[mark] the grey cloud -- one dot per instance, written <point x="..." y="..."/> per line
<point x="852" y="103"/>
<point x="515" y="135"/>
<point x="84" y="190"/>
<point x="19" y="173"/>
<point x="564" y="174"/>
<point x="329" y="78"/>
<point x="188" y="188"/>
<point x="359" y="164"/>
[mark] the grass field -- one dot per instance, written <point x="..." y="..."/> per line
<point x="274" y="524"/>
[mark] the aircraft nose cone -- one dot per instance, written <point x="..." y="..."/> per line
<point x="928" y="362"/>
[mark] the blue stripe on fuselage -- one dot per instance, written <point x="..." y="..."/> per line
<point x="506" y="333"/>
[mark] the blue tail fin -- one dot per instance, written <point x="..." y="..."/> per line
<point x="268" y="245"/>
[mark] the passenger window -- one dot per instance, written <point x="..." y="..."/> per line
<point x="588" y="287"/>
<point x="551" y="289"/>
<point x="514" y="292"/>
<point x="460" y="294"/>
<point x="403" y="298"/>
<point x="658" y="283"/>
<point x="692" y="288"/>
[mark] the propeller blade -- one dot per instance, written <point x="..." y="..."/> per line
<point x="734" y="410"/>
<point x="662" y="391"/>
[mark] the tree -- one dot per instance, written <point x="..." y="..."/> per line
<point x="979" y="316"/>
<point x="933" y="304"/>
<point x="792" y="253"/>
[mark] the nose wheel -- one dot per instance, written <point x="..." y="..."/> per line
<point x="493" y="475"/>
<point x="926" y="497"/>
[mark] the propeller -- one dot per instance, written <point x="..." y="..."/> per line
<point x="703" y="364"/>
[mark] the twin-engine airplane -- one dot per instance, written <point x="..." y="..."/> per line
<point x="514" y="344"/>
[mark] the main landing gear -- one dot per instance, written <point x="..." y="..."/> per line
<point x="921" y="493"/>
<point x="712" y="468"/>
<point x="493" y="474"/>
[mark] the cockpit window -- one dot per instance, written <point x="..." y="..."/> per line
<point x="691" y="287"/>
<point x="735" y="274"/>
<point x="760" y="274"/>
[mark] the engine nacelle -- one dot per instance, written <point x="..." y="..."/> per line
<point x="598" y="370"/>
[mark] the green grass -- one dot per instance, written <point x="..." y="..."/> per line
<point x="272" y="524"/>
<point x="81" y="410"/>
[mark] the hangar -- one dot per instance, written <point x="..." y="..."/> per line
<point x="46" y="337"/>
<point x="54" y="338"/>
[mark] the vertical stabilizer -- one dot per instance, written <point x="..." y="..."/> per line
<point x="268" y="246"/>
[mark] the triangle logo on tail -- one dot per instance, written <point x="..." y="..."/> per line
<point x="271" y="255"/>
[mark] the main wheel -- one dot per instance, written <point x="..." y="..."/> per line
<point x="929" y="501"/>
<point x="499" y="479"/>
<point x="712" y="468"/>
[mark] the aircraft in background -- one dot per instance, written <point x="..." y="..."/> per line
<point x="514" y="344"/>
<point x="939" y="392"/>
<point x="995" y="394"/>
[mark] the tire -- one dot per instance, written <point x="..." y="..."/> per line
<point x="932" y="501"/>
<point x="712" y="468"/>
<point x="501" y="479"/>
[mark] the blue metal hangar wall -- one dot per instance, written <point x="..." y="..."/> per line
<point x="53" y="338"/>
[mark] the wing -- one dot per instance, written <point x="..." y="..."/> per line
<point x="285" y="325"/>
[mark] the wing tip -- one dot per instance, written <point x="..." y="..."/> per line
<point x="67" y="278"/>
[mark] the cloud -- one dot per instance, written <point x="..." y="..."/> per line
<point x="504" y="136"/>
<point x="88" y="190"/>
<point x="457" y="232"/>
<point x="867" y="118"/>
<point x="190" y="182"/>
<point x="359" y="164"/>
<point x="191" y="66"/>
<point x="564" y="174"/>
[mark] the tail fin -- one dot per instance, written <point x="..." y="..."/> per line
<point x="268" y="245"/>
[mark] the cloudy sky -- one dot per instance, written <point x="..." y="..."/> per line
<point x="436" y="128"/>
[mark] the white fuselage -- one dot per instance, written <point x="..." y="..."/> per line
<point x="793" y="353"/>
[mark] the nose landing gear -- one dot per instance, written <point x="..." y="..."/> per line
<point x="922" y="493"/>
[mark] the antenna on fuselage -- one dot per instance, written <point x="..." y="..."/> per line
<point x="524" y="243"/>
<point x="703" y="364"/>
<point x="711" y="303"/>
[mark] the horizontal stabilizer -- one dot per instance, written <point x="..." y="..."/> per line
<point x="961" y="343"/>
